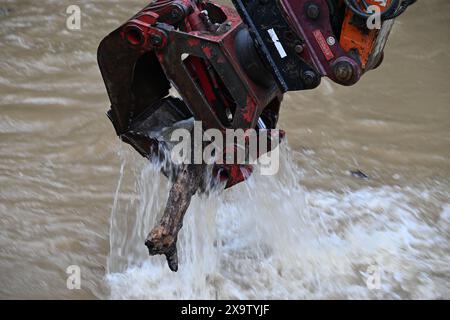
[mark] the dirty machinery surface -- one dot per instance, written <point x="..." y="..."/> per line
<point x="231" y="67"/>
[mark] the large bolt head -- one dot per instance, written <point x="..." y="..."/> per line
<point x="156" y="40"/>
<point x="343" y="71"/>
<point x="310" y="79"/>
<point x="299" y="48"/>
<point x="313" y="11"/>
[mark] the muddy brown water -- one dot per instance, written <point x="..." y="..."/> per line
<point x="72" y="194"/>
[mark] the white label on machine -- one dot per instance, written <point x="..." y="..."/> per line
<point x="277" y="43"/>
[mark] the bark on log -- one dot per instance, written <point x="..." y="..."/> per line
<point x="163" y="238"/>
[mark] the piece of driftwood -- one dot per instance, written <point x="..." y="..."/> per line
<point x="163" y="238"/>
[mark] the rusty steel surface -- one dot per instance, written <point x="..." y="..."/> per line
<point x="174" y="43"/>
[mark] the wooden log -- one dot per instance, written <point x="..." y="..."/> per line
<point x="163" y="238"/>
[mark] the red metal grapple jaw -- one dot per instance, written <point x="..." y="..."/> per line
<point x="190" y="46"/>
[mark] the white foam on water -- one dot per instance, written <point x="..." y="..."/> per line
<point x="271" y="238"/>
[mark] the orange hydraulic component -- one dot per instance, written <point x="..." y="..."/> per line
<point x="360" y="39"/>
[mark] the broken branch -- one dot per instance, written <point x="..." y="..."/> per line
<point x="163" y="238"/>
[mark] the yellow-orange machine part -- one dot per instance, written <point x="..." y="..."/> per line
<point x="355" y="38"/>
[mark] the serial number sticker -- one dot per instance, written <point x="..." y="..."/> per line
<point x="323" y="45"/>
<point x="277" y="43"/>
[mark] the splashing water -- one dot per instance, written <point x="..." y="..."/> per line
<point x="271" y="238"/>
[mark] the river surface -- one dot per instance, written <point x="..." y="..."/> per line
<point x="72" y="194"/>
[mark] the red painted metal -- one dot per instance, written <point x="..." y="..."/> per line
<point x="229" y="74"/>
<point x="315" y="32"/>
<point x="191" y="46"/>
